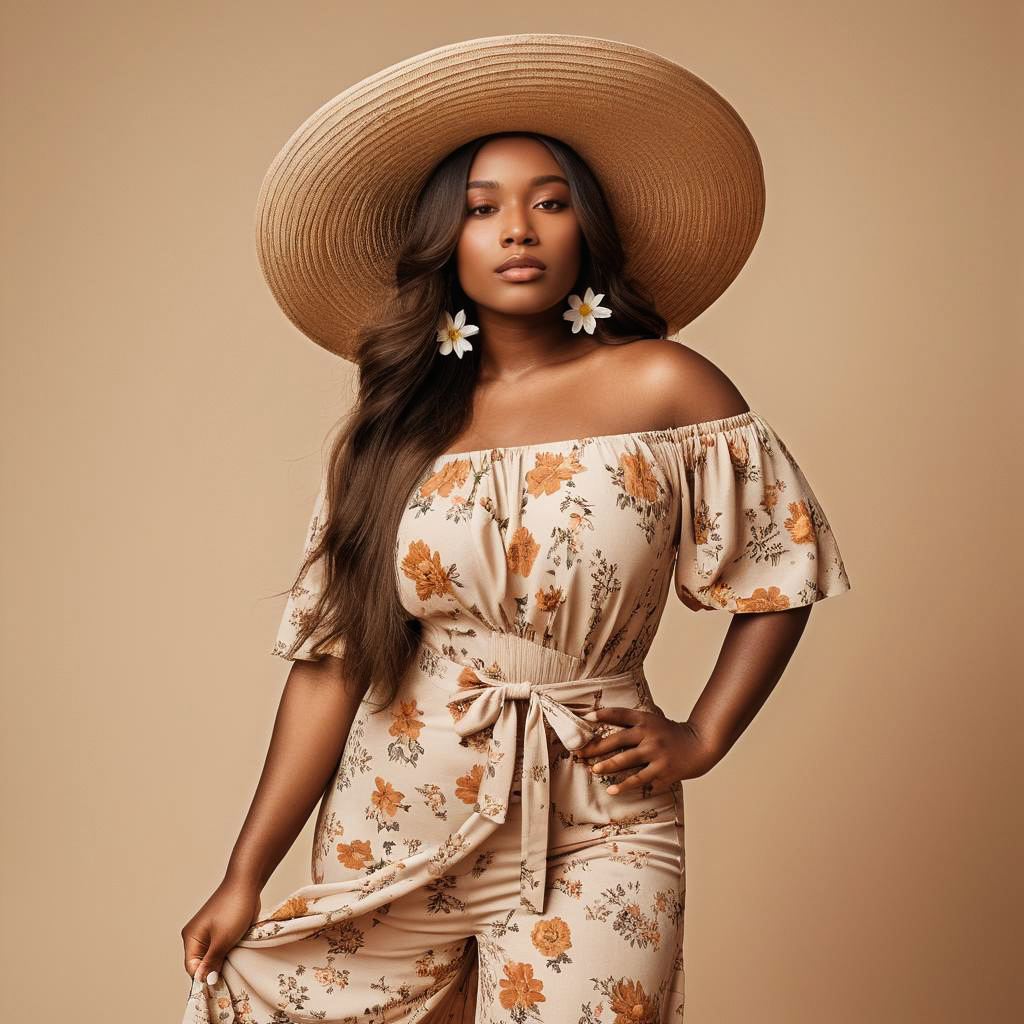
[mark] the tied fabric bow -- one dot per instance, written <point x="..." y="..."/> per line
<point x="497" y="704"/>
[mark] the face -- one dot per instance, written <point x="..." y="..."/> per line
<point x="518" y="201"/>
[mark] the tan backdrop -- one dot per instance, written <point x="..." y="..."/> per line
<point x="857" y="856"/>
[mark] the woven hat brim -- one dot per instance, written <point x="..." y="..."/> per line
<point x="679" y="168"/>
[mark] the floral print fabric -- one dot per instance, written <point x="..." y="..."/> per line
<point x="576" y="544"/>
<point x="539" y="574"/>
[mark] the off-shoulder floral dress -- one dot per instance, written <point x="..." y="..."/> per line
<point x="467" y="864"/>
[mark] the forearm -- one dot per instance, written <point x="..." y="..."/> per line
<point x="312" y="724"/>
<point x="755" y="652"/>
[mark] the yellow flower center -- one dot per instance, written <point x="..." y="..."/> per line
<point x="584" y="309"/>
<point x="453" y="334"/>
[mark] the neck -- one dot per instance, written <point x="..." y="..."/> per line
<point x="513" y="345"/>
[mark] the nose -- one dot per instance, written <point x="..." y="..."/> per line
<point x="518" y="234"/>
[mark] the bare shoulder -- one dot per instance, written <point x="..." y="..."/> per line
<point x="681" y="384"/>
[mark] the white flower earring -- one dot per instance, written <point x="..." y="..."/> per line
<point x="452" y="335"/>
<point x="583" y="312"/>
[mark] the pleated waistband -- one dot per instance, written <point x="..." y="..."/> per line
<point x="507" y="658"/>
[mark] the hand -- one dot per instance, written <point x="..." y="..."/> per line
<point x="668" y="750"/>
<point x="218" y="925"/>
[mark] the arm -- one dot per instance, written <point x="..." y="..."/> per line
<point x="312" y="725"/>
<point x="757" y="646"/>
<point x="737" y="479"/>
<point x="754" y="655"/>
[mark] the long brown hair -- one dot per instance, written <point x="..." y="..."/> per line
<point x="412" y="405"/>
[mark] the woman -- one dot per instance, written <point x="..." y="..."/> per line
<point x="497" y="527"/>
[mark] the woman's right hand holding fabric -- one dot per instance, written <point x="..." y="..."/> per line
<point x="218" y="925"/>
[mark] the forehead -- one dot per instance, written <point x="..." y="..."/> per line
<point x="511" y="162"/>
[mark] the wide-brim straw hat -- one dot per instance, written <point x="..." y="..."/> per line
<point x="679" y="169"/>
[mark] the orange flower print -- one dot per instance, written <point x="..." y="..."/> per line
<point x="331" y="977"/>
<point x="242" y="1007"/>
<point x="739" y="452"/>
<point x="425" y="570"/>
<point x="635" y="925"/>
<point x="386" y="798"/>
<point x="550" y="470"/>
<point x="356" y="854"/>
<point x="450" y="475"/>
<point x="406" y="723"/>
<point x="761" y="600"/>
<point x="799" y="523"/>
<point x="548" y="600"/>
<point x="522" y="550"/>
<point x="550" y="936"/>
<point x="631" y="1004"/>
<point x="520" y="990"/>
<point x="702" y="524"/>
<point x="468" y="679"/>
<point x="295" y="906"/>
<point x="467" y="787"/>
<point x="770" y="497"/>
<point x="637" y="479"/>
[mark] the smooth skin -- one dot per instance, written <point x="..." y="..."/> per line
<point x="538" y="382"/>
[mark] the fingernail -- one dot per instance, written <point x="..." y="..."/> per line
<point x="211" y="978"/>
<point x="613" y="789"/>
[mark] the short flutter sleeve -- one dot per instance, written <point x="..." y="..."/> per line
<point x="753" y="537"/>
<point x="302" y="599"/>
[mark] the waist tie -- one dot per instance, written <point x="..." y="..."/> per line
<point x="497" y="704"/>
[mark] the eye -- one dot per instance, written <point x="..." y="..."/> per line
<point x="487" y="206"/>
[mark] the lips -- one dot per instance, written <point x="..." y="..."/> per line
<point x="520" y="260"/>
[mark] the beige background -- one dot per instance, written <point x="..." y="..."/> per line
<point x="857" y="856"/>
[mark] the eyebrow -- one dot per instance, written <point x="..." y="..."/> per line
<point x="541" y="179"/>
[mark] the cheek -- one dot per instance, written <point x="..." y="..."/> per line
<point x="564" y="236"/>
<point x="564" y="244"/>
<point x="474" y="255"/>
